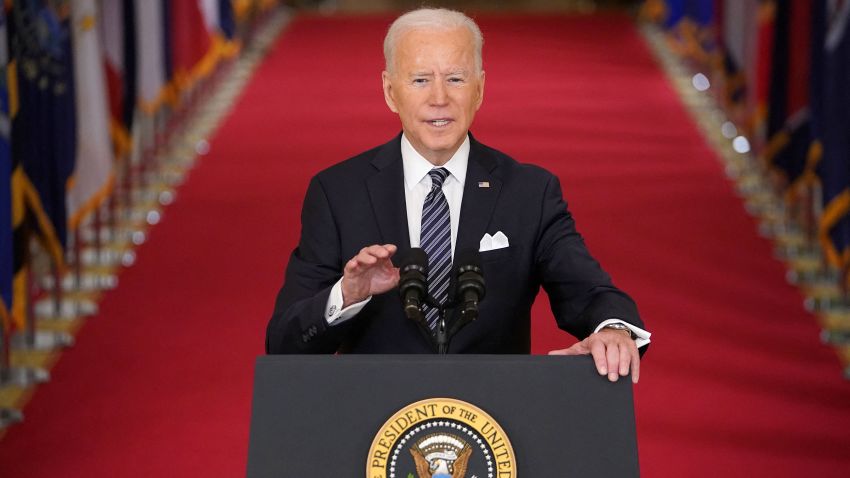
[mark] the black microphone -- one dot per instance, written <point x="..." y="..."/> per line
<point x="470" y="284"/>
<point x="412" y="282"/>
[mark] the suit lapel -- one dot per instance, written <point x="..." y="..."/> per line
<point x="386" y="191"/>
<point x="479" y="197"/>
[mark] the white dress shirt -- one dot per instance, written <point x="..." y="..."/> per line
<point x="417" y="184"/>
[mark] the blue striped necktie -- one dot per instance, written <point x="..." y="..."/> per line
<point x="436" y="240"/>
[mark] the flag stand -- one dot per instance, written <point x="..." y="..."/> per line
<point x="41" y="340"/>
<point x="21" y="377"/>
<point x="10" y="416"/>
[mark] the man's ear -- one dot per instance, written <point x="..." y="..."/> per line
<point x="480" y="91"/>
<point x="388" y="91"/>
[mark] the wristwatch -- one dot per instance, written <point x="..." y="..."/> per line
<point x="621" y="326"/>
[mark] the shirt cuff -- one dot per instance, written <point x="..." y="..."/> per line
<point x="334" y="313"/>
<point x="642" y="336"/>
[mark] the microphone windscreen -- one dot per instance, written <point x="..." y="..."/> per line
<point x="470" y="277"/>
<point x="413" y="256"/>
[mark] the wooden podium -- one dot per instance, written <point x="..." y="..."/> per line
<point x="392" y="416"/>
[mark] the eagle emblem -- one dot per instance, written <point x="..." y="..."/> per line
<point x="441" y="455"/>
<point x="441" y="438"/>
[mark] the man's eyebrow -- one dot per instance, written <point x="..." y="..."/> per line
<point x="422" y="73"/>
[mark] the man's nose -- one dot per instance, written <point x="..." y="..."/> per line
<point x="439" y="94"/>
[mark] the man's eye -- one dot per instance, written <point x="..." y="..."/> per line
<point x="419" y="81"/>
<point x="455" y="80"/>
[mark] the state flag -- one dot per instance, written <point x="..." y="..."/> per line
<point x="831" y="125"/>
<point x="43" y="133"/>
<point x="152" y="61"/>
<point x="739" y="41"/>
<point x="6" y="236"/>
<point x="788" y="113"/>
<point x="191" y="46"/>
<point x="118" y="36"/>
<point x="92" y="179"/>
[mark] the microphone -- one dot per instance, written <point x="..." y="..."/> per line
<point x="470" y="284"/>
<point x="412" y="282"/>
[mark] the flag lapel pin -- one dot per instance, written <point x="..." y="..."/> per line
<point x="483" y="184"/>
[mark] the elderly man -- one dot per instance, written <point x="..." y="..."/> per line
<point x="435" y="187"/>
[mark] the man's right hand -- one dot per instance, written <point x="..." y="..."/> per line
<point x="368" y="273"/>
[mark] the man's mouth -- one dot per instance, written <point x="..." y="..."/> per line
<point x="438" y="122"/>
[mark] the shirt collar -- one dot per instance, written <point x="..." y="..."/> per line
<point x="416" y="167"/>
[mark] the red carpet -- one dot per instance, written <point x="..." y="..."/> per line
<point x="736" y="383"/>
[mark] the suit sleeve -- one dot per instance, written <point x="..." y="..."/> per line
<point x="298" y="324"/>
<point x="581" y="293"/>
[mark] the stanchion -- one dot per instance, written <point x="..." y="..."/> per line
<point x="8" y="416"/>
<point x="11" y="376"/>
<point x="33" y="339"/>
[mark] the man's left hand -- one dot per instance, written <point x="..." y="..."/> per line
<point x="613" y="351"/>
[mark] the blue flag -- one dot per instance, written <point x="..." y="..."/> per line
<point x="167" y="41"/>
<point x="130" y="91"/>
<point x="700" y="11"/>
<point x="831" y="124"/>
<point x="226" y="19"/>
<point x="44" y="129"/>
<point x="788" y="112"/>
<point x="675" y="12"/>
<point x="6" y="244"/>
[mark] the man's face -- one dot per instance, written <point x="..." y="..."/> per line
<point x="435" y="89"/>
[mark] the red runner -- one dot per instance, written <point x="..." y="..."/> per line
<point x="736" y="383"/>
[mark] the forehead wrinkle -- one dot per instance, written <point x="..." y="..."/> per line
<point x="415" y="46"/>
<point x="446" y="72"/>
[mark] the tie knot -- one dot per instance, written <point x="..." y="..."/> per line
<point x="438" y="175"/>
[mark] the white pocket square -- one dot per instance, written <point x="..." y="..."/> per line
<point x="490" y="243"/>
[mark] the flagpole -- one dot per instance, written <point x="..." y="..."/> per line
<point x="8" y="416"/>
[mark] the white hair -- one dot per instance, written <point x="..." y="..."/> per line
<point x="432" y="18"/>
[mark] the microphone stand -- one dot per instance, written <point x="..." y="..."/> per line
<point x="443" y="333"/>
<point x="462" y="321"/>
<point x="440" y="336"/>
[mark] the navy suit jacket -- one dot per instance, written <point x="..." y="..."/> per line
<point x="361" y="202"/>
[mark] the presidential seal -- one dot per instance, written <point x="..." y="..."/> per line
<point x="441" y="438"/>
